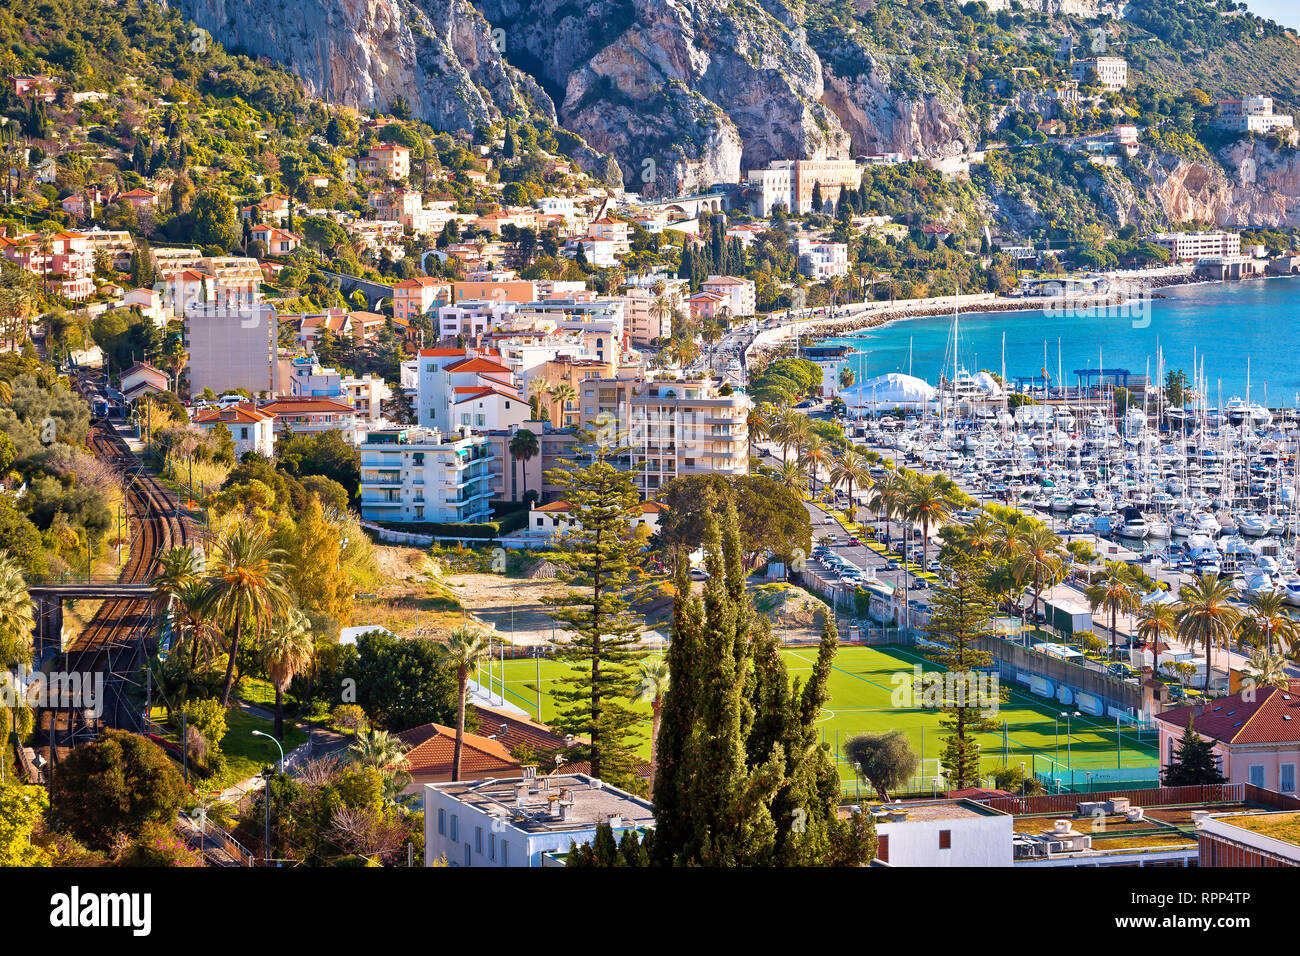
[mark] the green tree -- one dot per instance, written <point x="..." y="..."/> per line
<point x="465" y="647"/>
<point x="1205" y="614"/>
<point x="960" y="613"/>
<point x="215" y="222"/>
<point x="1194" y="762"/>
<point x="114" y="787"/>
<point x="21" y="809"/>
<point x="248" y="590"/>
<point x="885" y="760"/>
<point x="1112" y="591"/>
<point x="524" y="447"/>
<point x="286" y="652"/>
<point x="598" y="551"/>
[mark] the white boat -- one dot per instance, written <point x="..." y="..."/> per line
<point x="1133" y="524"/>
<point x="1252" y="525"/>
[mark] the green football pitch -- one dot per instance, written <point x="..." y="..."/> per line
<point x="862" y="688"/>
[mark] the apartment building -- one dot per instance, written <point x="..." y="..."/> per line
<point x="672" y="427"/>
<point x="65" y="261"/>
<point x="388" y="160"/>
<point x="311" y="415"/>
<point x="1111" y="71"/>
<point x="510" y="290"/>
<point x="1254" y="114"/>
<point x="232" y="348"/>
<point x="615" y="231"/>
<point x="417" y="296"/>
<point x="423" y="474"/>
<point x="738" y="294"/>
<point x="644" y="326"/>
<point x="473" y="318"/>
<point x="790" y="183"/>
<point x="307" y="378"/>
<point x="820" y="260"/>
<point x="278" y="242"/>
<point x="1191" y="246"/>
<point x="524" y="821"/>
<point x="117" y="243"/>
<point x="464" y="387"/>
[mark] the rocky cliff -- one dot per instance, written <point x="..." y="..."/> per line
<point x="1255" y="185"/>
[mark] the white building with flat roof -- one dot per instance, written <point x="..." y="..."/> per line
<point x="1112" y="71"/>
<point x="944" y="833"/>
<point x="1192" y="246"/>
<point x="524" y="821"/>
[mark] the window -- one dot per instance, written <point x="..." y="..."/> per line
<point x="1257" y="775"/>
<point x="454" y="834"/>
<point x="492" y="846"/>
<point x="1286" y="778"/>
<point x="478" y="840"/>
<point x="882" y="849"/>
<point x="505" y="852"/>
<point x="945" y="839"/>
<point x="442" y="822"/>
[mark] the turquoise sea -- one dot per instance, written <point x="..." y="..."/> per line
<point x="1223" y="323"/>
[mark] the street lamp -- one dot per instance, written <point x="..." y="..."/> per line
<point x="280" y="769"/>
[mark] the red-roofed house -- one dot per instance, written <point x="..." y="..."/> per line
<point x="463" y="387"/>
<point x="311" y="414"/>
<point x="138" y="198"/>
<point x="278" y="242"/>
<point x="250" y="427"/>
<point x="1255" y="733"/>
<point x="432" y="747"/>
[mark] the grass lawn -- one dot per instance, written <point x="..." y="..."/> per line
<point x="246" y="755"/>
<point x="861" y="686"/>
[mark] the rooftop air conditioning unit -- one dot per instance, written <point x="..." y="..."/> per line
<point x="1062" y="826"/>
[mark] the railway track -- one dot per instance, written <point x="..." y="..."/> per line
<point x="118" y="638"/>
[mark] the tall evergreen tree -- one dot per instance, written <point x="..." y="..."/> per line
<point x="598" y="551"/>
<point x="961" y="612"/>
<point x="1194" y="762"/>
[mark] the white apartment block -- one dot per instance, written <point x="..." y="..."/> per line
<point x="944" y="833"/>
<point x="364" y="393"/>
<point x="1254" y="114"/>
<point x="821" y="260"/>
<point x="421" y="474"/>
<point x="454" y="383"/>
<point x="525" y="821"/>
<point x="232" y="348"/>
<point x="1112" y="71"/>
<point x="1191" y="246"/>
<point x="473" y="317"/>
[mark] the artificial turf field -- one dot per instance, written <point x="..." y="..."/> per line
<point x="861" y="687"/>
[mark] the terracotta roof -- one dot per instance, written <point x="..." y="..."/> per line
<point x="441" y="353"/>
<point x="244" y="413"/>
<point x="481" y="392"/>
<point x="724" y="280"/>
<point x="476" y="364"/>
<point x="433" y="746"/>
<point x="1272" y="717"/>
<point x="288" y="406"/>
<point x="519" y="731"/>
<point x="419" y="282"/>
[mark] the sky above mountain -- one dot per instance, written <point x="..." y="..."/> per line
<point x="1285" y="12"/>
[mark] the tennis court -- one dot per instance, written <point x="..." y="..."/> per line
<point x="862" y="686"/>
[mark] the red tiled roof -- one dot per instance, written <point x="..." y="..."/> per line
<point x="288" y="406"/>
<point x="476" y="364"/>
<point x="244" y="413"/>
<point x="519" y="731"/>
<point x="1272" y="717"/>
<point x="441" y="353"/>
<point x="433" y="746"/>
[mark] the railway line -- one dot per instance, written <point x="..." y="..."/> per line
<point x="116" y="642"/>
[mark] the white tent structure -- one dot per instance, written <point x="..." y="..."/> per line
<point x="986" y="381"/>
<point x="888" y="392"/>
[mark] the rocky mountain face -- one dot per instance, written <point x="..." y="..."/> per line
<point x="1256" y="185"/>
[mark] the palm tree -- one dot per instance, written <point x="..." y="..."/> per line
<point x="189" y="614"/>
<point x="380" y="750"/>
<point x="538" y="390"/>
<point x="286" y="653"/>
<point x="662" y="308"/>
<point x="1266" y="620"/>
<point x="1113" y="591"/>
<point x="248" y="583"/>
<point x="15" y="616"/>
<point x="524" y="447"/>
<point x="465" y="646"/>
<point x="817" y="454"/>
<point x="561" y="395"/>
<point x="1040" y="557"/>
<point x="982" y="534"/>
<point x="177" y="567"/>
<point x="1157" y="625"/>
<point x="653" y="686"/>
<point x="851" y="469"/>
<point x="1268" y="669"/>
<point x="758" y="425"/>
<point x="1204" y="614"/>
<point x="790" y="476"/>
<point x="887" y="500"/>
<point x="929" y="502"/>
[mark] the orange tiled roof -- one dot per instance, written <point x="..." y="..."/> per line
<point x="1272" y="717"/>
<point x="433" y="745"/>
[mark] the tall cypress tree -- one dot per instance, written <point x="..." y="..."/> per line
<point x="598" y="551"/>
<point x="960" y="613"/>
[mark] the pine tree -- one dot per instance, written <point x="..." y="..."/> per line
<point x="818" y="205"/>
<point x="960" y="613"/>
<point x="598" y="551"/>
<point x="1194" y="762"/>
